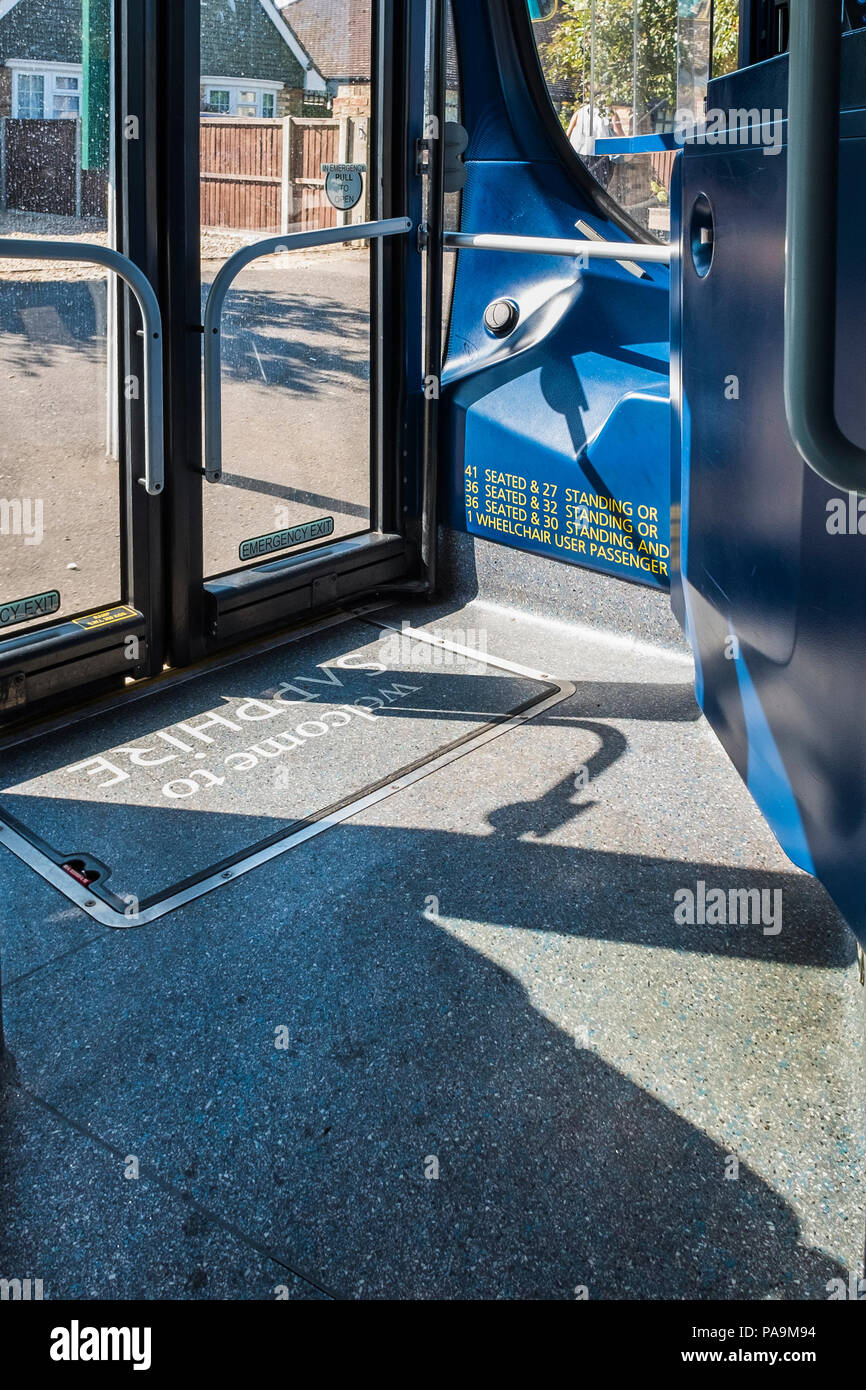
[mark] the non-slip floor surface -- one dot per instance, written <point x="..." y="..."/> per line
<point x="459" y="1046"/>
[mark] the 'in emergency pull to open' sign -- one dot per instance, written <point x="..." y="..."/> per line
<point x="344" y="184"/>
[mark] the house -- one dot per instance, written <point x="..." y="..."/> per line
<point x="337" y="36"/>
<point x="252" y="62"/>
<point x="40" y="58"/>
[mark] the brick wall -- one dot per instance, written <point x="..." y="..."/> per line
<point x="290" y="101"/>
<point x="353" y="99"/>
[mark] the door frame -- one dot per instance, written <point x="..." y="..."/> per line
<point x="176" y="617"/>
<point x="207" y="615"/>
<point x="100" y="651"/>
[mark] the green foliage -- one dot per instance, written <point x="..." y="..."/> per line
<point x="566" y="55"/>
<point x="726" y="29"/>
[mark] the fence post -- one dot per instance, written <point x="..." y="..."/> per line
<point x="3" y="163"/>
<point x="360" y="129"/>
<point x="286" y="178"/>
<point x="78" y="164"/>
<point x="343" y="218"/>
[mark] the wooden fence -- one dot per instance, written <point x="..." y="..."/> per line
<point x="256" y="175"/>
<point x="40" y="170"/>
<point x="241" y="173"/>
<point x="267" y="176"/>
<point x="663" y="167"/>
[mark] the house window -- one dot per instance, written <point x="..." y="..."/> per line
<point x="220" y="99"/>
<point x="46" y="93"/>
<point x="31" y="97"/>
<point x="226" y="98"/>
<point x="67" y="98"/>
<point x="42" y="92"/>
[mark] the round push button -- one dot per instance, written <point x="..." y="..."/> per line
<point x="501" y="317"/>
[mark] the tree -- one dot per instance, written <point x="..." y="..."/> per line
<point x="567" y="54"/>
<point x="726" y="33"/>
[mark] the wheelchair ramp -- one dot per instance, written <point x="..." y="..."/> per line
<point x="134" y="812"/>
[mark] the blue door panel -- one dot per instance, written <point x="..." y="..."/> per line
<point x="558" y="437"/>
<point x="772" y="561"/>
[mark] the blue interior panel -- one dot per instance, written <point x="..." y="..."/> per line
<point x="773" y="560"/>
<point x="558" y="437"/>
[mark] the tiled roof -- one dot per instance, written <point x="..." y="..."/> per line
<point x="335" y="33"/>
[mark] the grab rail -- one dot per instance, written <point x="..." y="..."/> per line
<point x="649" y="252"/>
<point x="31" y="250"/>
<point x="812" y="247"/>
<point x="295" y="241"/>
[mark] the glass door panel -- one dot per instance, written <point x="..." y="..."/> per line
<point x="61" y="475"/>
<point x="284" y="149"/>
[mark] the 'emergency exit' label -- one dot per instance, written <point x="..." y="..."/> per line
<point x="285" y="540"/>
<point x="24" y="610"/>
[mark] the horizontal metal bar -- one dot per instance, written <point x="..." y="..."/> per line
<point x="648" y="252"/>
<point x="30" y="250"/>
<point x="269" y="246"/>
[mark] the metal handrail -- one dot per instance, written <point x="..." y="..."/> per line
<point x="31" y="250"/>
<point x="648" y="252"/>
<point x="812" y="247"/>
<point x="295" y="241"/>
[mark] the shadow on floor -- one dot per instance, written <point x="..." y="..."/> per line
<point x="402" y="1046"/>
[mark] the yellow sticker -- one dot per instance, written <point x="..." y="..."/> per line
<point x="108" y="617"/>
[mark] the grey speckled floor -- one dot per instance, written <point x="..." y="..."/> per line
<point x="504" y="1069"/>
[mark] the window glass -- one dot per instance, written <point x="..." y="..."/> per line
<point x="453" y="201"/>
<point x="31" y="96"/>
<point x="65" y="104"/>
<point x="297" y="350"/>
<point x="62" y="362"/>
<point x="611" y="70"/>
<point x="726" y="36"/>
<point x="219" y="99"/>
<point x="694" y="43"/>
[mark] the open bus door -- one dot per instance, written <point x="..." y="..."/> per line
<point x="191" y="206"/>
<point x="771" y="580"/>
<point x="627" y="416"/>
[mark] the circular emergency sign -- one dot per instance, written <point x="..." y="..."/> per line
<point x="344" y="184"/>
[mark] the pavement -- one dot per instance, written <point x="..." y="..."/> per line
<point x="296" y="421"/>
